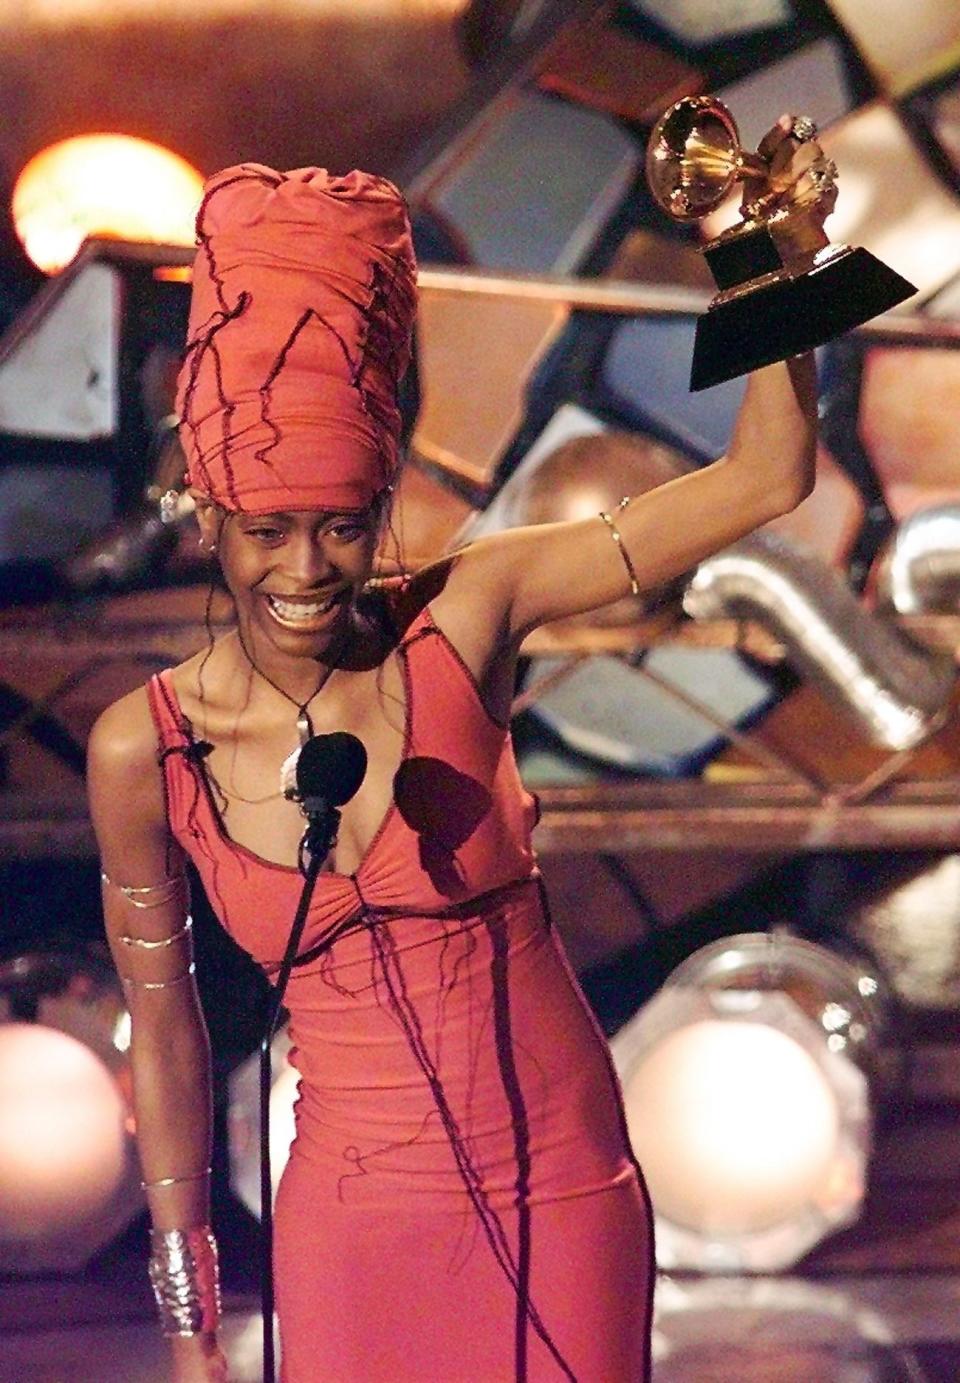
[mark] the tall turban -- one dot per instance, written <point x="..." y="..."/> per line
<point x="304" y="294"/>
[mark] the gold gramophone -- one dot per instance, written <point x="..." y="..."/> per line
<point x="783" y="287"/>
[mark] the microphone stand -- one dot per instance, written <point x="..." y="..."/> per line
<point x="317" y="842"/>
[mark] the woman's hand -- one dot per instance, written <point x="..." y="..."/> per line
<point x="198" y="1359"/>
<point x="801" y="179"/>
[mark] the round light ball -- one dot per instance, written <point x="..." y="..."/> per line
<point x="734" y="1124"/>
<point x="62" y="1135"/>
<point x="107" y="185"/>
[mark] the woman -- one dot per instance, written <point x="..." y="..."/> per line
<point x="460" y="1201"/>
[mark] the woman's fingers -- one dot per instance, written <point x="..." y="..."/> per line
<point x="799" y="172"/>
<point x="782" y="139"/>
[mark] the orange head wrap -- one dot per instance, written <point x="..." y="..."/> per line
<point x="304" y="294"/>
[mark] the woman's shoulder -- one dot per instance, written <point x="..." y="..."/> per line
<point x="124" y="736"/>
<point x="125" y="787"/>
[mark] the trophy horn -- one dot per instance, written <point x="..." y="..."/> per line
<point x="694" y="158"/>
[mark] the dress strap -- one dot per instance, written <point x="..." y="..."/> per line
<point x="173" y="731"/>
<point x="180" y="758"/>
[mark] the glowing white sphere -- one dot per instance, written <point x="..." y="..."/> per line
<point x="62" y="1135"/>
<point x="103" y="185"/>
<point x="735" y="1125"/>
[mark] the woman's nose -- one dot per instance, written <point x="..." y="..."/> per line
<point x="309" y="561"/>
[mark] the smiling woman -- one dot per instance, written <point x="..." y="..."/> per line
<point x="297" y="580"/>
<point x="461" y="1200"/>
<point x="301" y="318"/>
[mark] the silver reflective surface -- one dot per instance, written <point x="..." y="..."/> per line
<point x="919" y="570"/>
<point x="897" y="691"/>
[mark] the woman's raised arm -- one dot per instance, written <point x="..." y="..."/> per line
<point x="146" y="910"/>
<point x="528" y="576"/>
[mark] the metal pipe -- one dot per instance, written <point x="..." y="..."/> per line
<point x="919" y="570"/>
<point x="898" y="692"/>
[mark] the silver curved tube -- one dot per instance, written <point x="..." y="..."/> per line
<point x="919" y="570"/>
<point x="897" y="691"/>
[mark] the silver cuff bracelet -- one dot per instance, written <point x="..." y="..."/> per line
<point x="185" y="1280"/>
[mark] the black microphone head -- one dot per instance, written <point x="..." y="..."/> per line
<point x="331" y="768"/>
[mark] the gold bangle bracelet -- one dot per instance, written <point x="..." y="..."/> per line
<point x="143" y="897"/>
<point x="618" y="539"/>
<point x="160" y="984"/>
<point x="146" y="945"/>
<point x="174" y="1181"/>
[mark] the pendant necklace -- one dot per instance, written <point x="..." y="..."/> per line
<point x="288" y="769"/>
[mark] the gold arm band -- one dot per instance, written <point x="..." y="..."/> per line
<point x="143" y="897"/>
<point x="618" y="539"/>
<point x="184" y="1275"/>
<point x="146" y="945"/>
<point x="161" y="984"/>
<point x="174" y="1181"/>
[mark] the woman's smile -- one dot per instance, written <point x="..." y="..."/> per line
<point x="294" y="575"/>
<point x="305" y="614"/>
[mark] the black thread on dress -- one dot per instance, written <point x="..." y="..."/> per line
<point x="447" y="986"/>
<point x="386" y="968"/>
<point x="406" y="1013"/>
<point x="521" y="1133"/>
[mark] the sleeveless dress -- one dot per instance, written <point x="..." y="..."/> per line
<point x="461" y="1204"/>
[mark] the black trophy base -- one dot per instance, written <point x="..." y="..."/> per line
<point x="787" y="318"/>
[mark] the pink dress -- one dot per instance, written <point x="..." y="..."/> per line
<point x="461" y="1204"/>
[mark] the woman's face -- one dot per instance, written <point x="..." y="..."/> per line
<point x="294" y="575"/>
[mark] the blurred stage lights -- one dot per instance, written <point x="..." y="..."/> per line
<point x="746" y="1088"/>
<point x="69" y="1177"/>
<point x="106" y="185"/>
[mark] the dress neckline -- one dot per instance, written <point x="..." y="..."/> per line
<point x="216" y="816"/>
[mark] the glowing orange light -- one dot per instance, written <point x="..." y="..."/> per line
<point x="107" y="185"/>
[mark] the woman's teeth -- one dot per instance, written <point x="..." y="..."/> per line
<point x="300" y="612"/>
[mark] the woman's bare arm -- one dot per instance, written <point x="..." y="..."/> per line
<point x="514" y="581"/>
<point x="169" y="1050"/>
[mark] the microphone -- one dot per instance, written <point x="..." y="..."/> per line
<point x="330" y="769"/>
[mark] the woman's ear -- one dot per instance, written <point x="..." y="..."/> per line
<point x="383" y="507"/>
<point x="209" y="521"/>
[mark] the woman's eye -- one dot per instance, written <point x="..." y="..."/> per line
<point x="348" y="532"/>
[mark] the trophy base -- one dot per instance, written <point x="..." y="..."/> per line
<point x="777" y="320"/>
